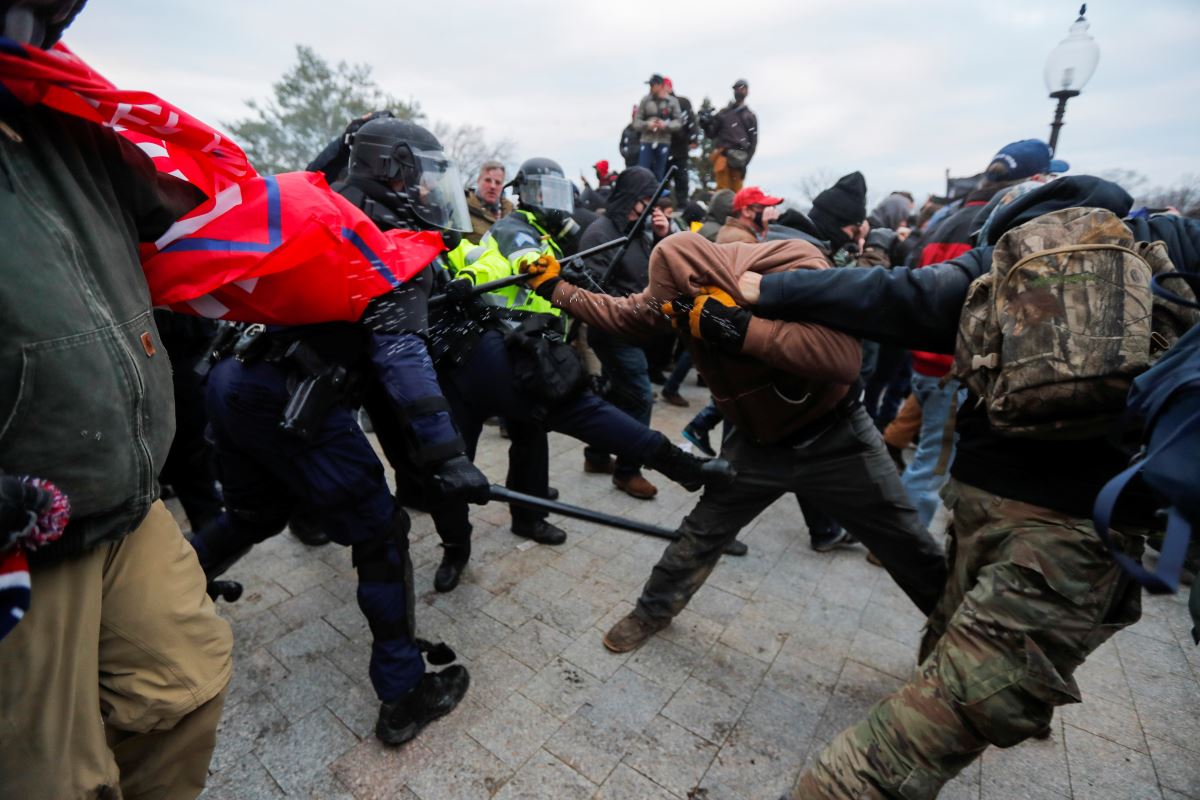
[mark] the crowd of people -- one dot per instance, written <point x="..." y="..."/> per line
<point x="841" y="365"/>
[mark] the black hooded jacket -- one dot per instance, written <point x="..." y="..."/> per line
<point x="919" y="309"/>
<point x="632" y="274"/>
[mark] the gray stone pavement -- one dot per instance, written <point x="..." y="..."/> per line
<point x="778" y="652"/>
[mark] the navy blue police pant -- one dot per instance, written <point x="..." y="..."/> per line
<point x="333" y="478"/>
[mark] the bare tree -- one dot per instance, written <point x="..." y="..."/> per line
<point x="1183" y="196"/>
<point x="813" y="183"/>
<point x="468" y="146"/>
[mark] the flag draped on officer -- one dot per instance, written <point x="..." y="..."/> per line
<point x="279" y="249"/>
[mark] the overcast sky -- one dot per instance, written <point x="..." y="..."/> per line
<point x="899" y="90"/>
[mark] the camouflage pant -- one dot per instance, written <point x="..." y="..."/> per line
<point x="1031" y="593"/>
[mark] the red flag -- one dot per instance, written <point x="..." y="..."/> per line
<point x="283" y="249"/>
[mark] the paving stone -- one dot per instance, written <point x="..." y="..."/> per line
<point x="1112" y="721"/>
<point x="792" y="675"/>
<point x="628" y="699"/>
<point x="461" y="604"/>
<point x="561" y="688"/>
<point x="308" y="686"/>
<point x="374" y="771"/>
<point x="495" y="675"/>
<point x="730" y="671"/>
<point x="535" y="644"/>
<point x="965" y="785"/>
<point x="238" y="734"/>
<point x="548" y="583"/>
<point x="348" y="620"/>
<point x="588" y="651"/>
<point x="298" y="755"/>
<point x="353" y="659"/>
<point x="593" y="747"/>
<point x="775" y="717"/>
<point x="313" y="603"/>
<point x="748" y="768"/>
<point x="625" y="784"/>
<point x="1100" y="768"/>
<point x="514" y="608"/>
<point x="545" y="776"/>
<point x="306" y="642"/>
<point x="754" y="635"/>
<point x="1034" y="768"/>
<point x="246" y="779"/>
<point x="1103" y="676"/>
<point x="1177" y="768"/>
<point x="473" y="636"/>
<point x="324" y="787"/>
<point x="515" y="730"/>
<point x="671" y="756"/>
<point x="692" y="631"/>
<point x="311" y="573"/>
<point x="1176" y="723"/>
<point x="259" y="595"/>
<point x="663" y="662"/>
<point x="251" y="633"/>
<point x="704" y="711"/>
<point x="578" y="562"/>
<point x="618" y="612"/>
<point x="719" y="606"/>
<point x="884" y="654"/>
<point x="251" y="673"/>
<point x="573" y="613"/>
<point x="463" y="770"/>
<point x="356" y="707"/>
<point x="859" y="687"/>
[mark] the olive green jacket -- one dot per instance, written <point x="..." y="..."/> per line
<point x="85" y="385"/>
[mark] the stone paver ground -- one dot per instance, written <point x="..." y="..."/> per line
<point x="778" y="652"/>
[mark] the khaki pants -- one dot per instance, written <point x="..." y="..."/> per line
<point x="113" y="683"/>
<point x="1031" y="594"/>
<point x="725" y="176"/>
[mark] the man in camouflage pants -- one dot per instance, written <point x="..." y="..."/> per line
<point x="1031" y="593"/>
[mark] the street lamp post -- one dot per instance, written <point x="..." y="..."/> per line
<point x="1069" y="67"/>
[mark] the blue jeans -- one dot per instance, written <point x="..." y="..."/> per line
<point x="683" y="365"/>
<point x="655" y="158"/>
<point x="920" y="480"/>
<point x="707" y="418"/>
<point x="629" y="389"/>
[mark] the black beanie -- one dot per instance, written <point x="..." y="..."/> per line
<point x="844" y="203"/>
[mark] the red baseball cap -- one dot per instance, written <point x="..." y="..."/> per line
<point x="667" y="82"/>
<point x="753" y="196"/>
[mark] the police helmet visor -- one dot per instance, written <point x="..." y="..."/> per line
<point x="548" y="192"/>
<point x="435" y="191"/>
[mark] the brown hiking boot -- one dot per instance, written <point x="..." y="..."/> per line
<point x="676" y="399"/>
<point x="636" y="486"/>
<point x="630" y="633"/>
<point x="605" y="467"/>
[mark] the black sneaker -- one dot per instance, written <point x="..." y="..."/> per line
<point x="435" y="696"/>
<point x="832" y="539"/>
<point x="699" y="440"/>
<point x="454" y="561"/>
<point x="541" y="532"/>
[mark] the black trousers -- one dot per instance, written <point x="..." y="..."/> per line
<point x="844" y="472"/>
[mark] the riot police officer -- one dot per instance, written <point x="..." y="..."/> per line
<point x="281" y="415"/>
<point x="505" y="355"/>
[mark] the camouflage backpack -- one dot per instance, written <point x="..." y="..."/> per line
<point x="1051" y="339"/>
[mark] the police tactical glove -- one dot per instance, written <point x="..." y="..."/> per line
<point x="546" y="272"/>
<point x="712" y="316"/>
<point x="460" y="289"/>
<point x="457" y="478"/>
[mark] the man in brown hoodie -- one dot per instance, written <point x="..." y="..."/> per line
<point x="786" y="387"/>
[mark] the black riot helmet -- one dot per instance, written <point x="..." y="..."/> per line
<point x="421" y="183"/>
<point x="544" y="191"/>
<point x="37" y="22"/>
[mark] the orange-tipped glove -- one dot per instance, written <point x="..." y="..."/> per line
<point x="712" y="316"/>
<point x="546" y="272"/>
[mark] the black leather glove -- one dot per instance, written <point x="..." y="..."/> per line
<point x="459" y="289"/>
<point x="457" y="478"/>
<point x="20" y="504"/>
<point x="712" y="316"/>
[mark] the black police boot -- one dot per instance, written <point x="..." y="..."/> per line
<point x="688" y="471"/>
<point x="541" y="532"/>
<point x="307" y="532"/>
<point x="551" y="493"/>
<point x="435" y="696"/>
<point x="454" y="561"/>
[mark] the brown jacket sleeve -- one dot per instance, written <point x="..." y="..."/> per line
<point x="635" y="315"/>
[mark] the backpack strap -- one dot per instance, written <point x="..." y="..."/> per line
<point x="1191" y="279"/>
<point x="1165" y="579"/>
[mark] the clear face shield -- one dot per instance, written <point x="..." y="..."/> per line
<point x="549" y="192"/>
<point x="435" y="191"/>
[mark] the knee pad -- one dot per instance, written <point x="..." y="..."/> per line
<point x="384" y="559"/>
